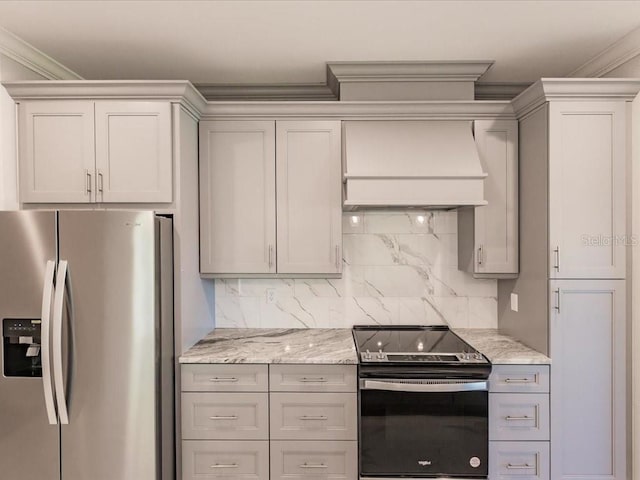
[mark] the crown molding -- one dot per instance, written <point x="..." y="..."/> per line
<point x="177" y="91"/>
<point x="547" y="89"/>
<point x="437" y="110"/>
<point x="273" y="92"/>
<point x="625" y="49"/>
<point x="344" y="72"/>
<point x="499" y="91"/>
<point x="30" y="57"/>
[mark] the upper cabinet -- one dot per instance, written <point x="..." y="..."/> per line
<point x="83" y="151"/>
<point x="270" y="198"/>
<point x="587" y="156"/>
<point x="488" y="235"/>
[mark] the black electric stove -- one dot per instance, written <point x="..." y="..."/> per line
<point x="423" y="404"/>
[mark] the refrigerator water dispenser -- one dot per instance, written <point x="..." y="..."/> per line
<point x="21" y="347"/>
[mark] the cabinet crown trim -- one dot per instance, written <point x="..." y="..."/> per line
<point x="585" y="89"/>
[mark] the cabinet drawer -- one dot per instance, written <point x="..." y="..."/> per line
<point x="318" y="416"/>
<point x="225" y="416"/>
<point x="313" y="378"/>
<point x="225" y="460"/>
<point x="518" y="416"/>
<point x="317" y="460"/>
<point x="521" y="460"/>
<point x="224" y="378"/>
<point x="519" y="379"/>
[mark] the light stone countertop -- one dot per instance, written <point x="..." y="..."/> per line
<point x="332" y="346"/>
<point x="501" y="349"/>
<point x="269" y="345"/>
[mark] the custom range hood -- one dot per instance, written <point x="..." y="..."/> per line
<point x="427" y="164"/>
<point x="412" y="162"/>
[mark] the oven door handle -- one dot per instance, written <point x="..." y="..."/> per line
<point x="423" y="387"/>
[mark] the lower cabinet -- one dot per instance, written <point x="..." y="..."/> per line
<point x="519" y="424"/>
<point x="301" y="424"/>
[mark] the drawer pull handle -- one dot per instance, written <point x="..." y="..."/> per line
<point x="313" y="380"/>
<point x="224" y="417"/>
<point x="224" y="465"/>
<point x="313" y="465"/>
<point x="223" y="379"/>
<point x="523" y="466"/>
<point x="525" y="417"/>
<point x="518" y="380"/>
<point x="313" y="417"/>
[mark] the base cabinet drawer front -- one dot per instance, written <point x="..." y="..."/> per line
<point x="318" y="460"/>
<point x="224" y="378"/>
<point x="225" y="460"/>
<point x="519" y="379"/>
<point x="313" y="378"/>
<point x="225" y="416"/>
<point x="518" y="416"/>
<point x="318" y="416"/>
<point x="519" y="460"/>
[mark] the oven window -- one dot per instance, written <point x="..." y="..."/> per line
<point x="424" y="434"/>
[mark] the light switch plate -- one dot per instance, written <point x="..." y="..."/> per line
<point x="514" y="302"/>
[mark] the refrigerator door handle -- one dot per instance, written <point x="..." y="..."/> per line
<point x="47" y="297"/>
<point x="58" y="304"/>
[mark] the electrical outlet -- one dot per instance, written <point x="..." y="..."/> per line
<point x="514" y="302"/>
<point x="271" y="295"/>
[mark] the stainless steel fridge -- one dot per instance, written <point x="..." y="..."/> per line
<point x="86" y="318"/>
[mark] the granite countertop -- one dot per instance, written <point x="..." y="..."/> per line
<point x="500" y="349"/>
<point x="268" y="345"/>
<point x="332" y="345"/>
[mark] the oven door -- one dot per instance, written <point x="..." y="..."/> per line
<point x="423" y="428"/>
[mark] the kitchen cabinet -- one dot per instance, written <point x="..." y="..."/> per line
<point x="85" y="151"/>
<point x="588" y="338"/>
<point x="519" y="425"/>
<point x="259" y="421"/>
<point x="488" y="235"/>
<point x="587" y="157"/>
<point x="270" y="198"/>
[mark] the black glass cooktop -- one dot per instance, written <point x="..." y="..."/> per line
<point x="414" y="344"/>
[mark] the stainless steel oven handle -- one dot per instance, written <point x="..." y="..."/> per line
<point x="423" y="387"/>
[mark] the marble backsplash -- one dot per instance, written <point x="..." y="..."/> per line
<point x="399" y="268"/>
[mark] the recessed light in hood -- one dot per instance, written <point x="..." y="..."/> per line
<point x="433" y="164"/>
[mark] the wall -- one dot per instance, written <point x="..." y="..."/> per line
<point x="396" y="270"/>
<point x="10" y="70"/>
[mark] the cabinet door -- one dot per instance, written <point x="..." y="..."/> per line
<point x="496" y="224"/>
<point x="237" y="197"/>
<point x="56" y="152"/>
<point x="588" y="393"/>
<point x="134" y="157"/>
<point x="586" y="189"/>
<point x="309" y="196"/>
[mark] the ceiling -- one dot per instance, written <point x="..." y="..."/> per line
<point x="267" y="42"/>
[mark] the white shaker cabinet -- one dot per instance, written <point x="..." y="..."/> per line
<point x="309" y="193"/>
<point x="85" y="151"/>
<point x="270" y="198"/>
<point x="237" y="197"/>
<point x="587" y="156"/>
<point x="488" y="235"/>
<point x="56" y="151"/>
<point x="588" y="393"/>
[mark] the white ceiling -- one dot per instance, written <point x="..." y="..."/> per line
<point x="290" y="41"/>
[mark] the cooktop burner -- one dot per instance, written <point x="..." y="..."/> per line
<point x="413" y="344"/>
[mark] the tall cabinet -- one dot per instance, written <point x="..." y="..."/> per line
<point x="572" y="284"/>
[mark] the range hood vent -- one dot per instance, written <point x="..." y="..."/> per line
<point x="432" y="164"/>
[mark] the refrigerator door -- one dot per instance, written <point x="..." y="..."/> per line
<point x="110" y="353"/>
<point x="29" y="445"/>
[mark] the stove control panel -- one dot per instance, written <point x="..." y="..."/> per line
<point x="466" y="357"/>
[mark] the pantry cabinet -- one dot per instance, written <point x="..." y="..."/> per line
<point x="85" y="151"/>
<point x="488" y="235"/>
<point x="270" y="198"/>
<point x="587" y="156"/>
